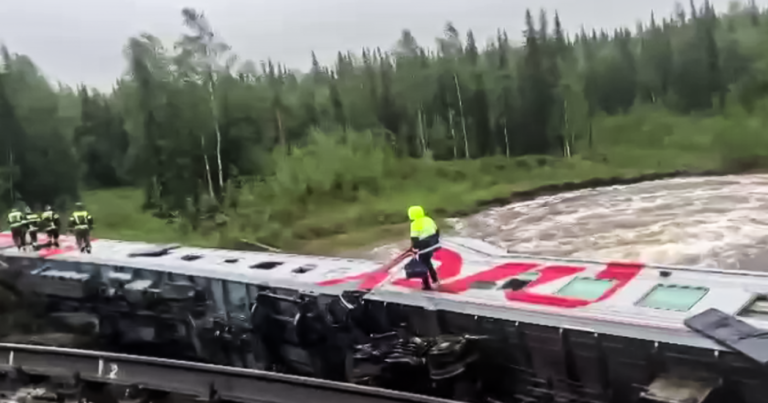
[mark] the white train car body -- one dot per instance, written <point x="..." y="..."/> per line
<point x="564" y="321"/>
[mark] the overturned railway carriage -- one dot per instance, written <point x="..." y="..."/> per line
<point x="501" y="326"/>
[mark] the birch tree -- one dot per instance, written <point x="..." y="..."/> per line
<point x="207" y="50"/>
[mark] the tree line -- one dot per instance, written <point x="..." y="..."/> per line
<point x="191" y="123"/>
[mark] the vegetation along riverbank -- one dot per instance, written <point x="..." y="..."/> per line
<point x="185" y="149"/>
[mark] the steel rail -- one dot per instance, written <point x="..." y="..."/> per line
<point x="203" y="381"/>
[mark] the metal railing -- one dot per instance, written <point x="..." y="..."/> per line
<point x="202" y="381"/>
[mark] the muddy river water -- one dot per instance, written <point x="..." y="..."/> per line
<point x="703" y="221"/>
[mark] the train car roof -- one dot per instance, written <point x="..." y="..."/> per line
<point x="621" y="298"/>
<point x="272" y="269"/>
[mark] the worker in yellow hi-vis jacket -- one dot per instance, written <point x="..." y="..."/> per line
<point x="16" y="223"/>
<point x="425" y="238"/>
<point x="51" y="223"/>
<point x="81" y="223"/>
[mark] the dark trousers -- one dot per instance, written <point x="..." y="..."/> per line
<point x="32" y="235"/>
<point x="83" y="237"/>
<point x="426" y="260"/>
<point x="19" y="238"/>
<point x="53" y="236"/>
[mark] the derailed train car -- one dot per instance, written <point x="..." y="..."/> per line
<point x="501" y="327"/>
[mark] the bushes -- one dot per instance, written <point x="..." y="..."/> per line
<point x="742" y="139"/>
<point x="337" y="165"/>
<point x="346" y="189"/>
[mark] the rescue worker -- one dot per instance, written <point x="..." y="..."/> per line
<point x="16" y="223"/>
<point x="425" y="239"/>
<point x="51" y="223"/>
<point x="81" y="223"/>
<point x="33" y="225"/>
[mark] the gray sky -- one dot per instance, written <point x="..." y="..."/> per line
<point x="82" y="40"/>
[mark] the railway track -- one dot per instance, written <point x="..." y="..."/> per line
<point x="30" y="374"/>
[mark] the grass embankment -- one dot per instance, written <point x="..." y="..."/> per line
<point x="325" y="201"/>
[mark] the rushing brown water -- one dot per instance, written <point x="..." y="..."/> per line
<point x="704" y="221"/>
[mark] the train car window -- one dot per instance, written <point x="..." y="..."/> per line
<point x="180" y="278"/>
<point x="757" y="308"/>
<point x="585" y="288"/>
<point x="152" y="275"/>
<point x="88" y="268"/>
<point x="237" y="298"/>
<point x="673" y="297"/>
<point x="116" y="273"/>
<point x="217" y="296"/>
<point x="200" y="282"/>
<point x="253" y="290"/>
<point x="58" y="265"/>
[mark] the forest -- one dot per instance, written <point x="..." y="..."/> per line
<point x="197" y="144"/>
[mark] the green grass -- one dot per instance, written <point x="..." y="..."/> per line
<point x="314" y="207"/>
<point x="336" y="227"/>
<point x="117" y="214"/>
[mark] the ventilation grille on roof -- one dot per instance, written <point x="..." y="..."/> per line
<point x="191" y="257"/>
<point x="161" y="250"/>
<point x="231" y="260"/>
<point x="266" y="265"/>
<point x="520" y="281"/>
<point x="305" y="268"/>
<point x="482" y="285"/>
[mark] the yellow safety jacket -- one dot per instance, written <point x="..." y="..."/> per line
<point x="15" y="219"/>
<point x="424" y="231"/>
<point x="33" y="220"/>
<point x="81" y="220"/>
<point x="50" y="219"/>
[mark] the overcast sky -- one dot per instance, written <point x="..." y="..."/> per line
<point x="81" y="40"/>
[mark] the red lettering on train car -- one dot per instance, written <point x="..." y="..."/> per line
<point x="622" y="273"/>
<point x="451" y="264"/>
<point x="450" y="267"/>
<point x="497" y="273"/>
<point x="369" y="279"/>
<point x="6" y="240"/>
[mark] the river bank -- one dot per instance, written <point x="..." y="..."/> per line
<point x="395" y="233"/>
<point x="353" y="206"/>
<point x="120" y="217"/>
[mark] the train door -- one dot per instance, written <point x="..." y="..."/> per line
<point x="245" y="350"/>
<point x="140" y="323"/>
<point x="113" y="307"/>
<point x="211" y="326"/>
<point x="181" y="301"/>
<point x="236" y="305"/>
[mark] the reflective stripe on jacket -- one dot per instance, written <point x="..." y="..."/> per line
<point x="50" y="218"/>
<point x="15" y="219"/>
<point x="81" y="218"/>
